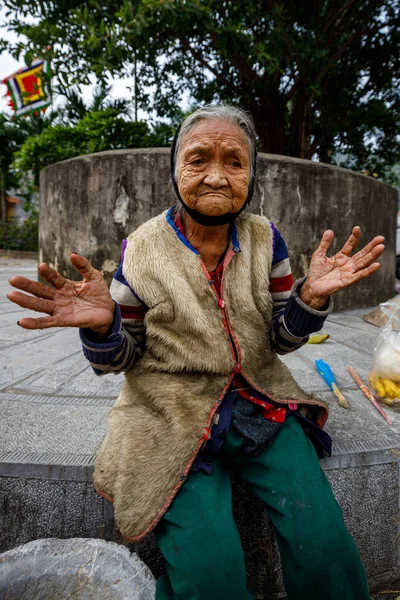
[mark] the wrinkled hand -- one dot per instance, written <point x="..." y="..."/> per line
<point x="85" y="303"/>
<point x="327" y="275"/>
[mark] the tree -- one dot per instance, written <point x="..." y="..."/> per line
<point x="74" y="107"/>
<point x="316" y="75"/>
<point x="10" y="140"/>
<point x="97" y="131"/>
<point x="13" y="134"/>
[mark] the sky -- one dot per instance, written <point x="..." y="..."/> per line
<point x="9" y="65"/>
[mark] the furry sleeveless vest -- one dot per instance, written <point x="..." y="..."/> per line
<point x="195" y="343"/>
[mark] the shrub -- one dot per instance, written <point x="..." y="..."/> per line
<point x="20" y="236"/>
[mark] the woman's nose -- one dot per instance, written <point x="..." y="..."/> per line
<point x="216" y="176"/>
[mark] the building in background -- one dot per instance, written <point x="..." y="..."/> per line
<point x="15" y="211"/>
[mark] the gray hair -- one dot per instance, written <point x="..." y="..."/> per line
<point x="235" y="115"/>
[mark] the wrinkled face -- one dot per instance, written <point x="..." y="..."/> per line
<point x="213" y="168"/>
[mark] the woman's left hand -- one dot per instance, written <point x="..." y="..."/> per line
<point x="327" y="275"/>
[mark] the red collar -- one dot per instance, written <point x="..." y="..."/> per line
<point x="217" y="273"/>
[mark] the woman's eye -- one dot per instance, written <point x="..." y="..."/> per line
<point x="197" y="161"/>
<point x="235" y="163"/>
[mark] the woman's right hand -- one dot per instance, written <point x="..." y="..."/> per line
<point x="85" y="303"/>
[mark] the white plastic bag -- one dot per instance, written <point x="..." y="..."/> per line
<point x="384" y="376"/>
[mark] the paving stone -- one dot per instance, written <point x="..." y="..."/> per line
<point x="37" y="428"/>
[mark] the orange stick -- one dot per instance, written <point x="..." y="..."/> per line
<point x="367" y="393"/>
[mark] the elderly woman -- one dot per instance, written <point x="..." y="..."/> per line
<point x="199" y="309"/>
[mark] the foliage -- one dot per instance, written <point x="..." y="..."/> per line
<point x="20" y="236"/>
<point x="392" y="177"/>
<point x="317" y="75"/>
<point x="74" y="108"/>
<point x="97" y="131"/>
<point x="11" y="138"/>
<point x="13" y="134"/>
<point x="13" y="235"/>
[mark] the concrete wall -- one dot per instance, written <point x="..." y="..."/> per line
<point x="90" y="204"/>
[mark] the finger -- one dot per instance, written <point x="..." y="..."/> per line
<point x="42" y="323"/>
<point x="51" y="275"/>
<point x="352" y="242"/>
<point x="326" y="241"/>
<point x="370" y="257"/>
<point x="39" y="290"/>
<point x="31" y="302"/>
<point x="364" y="273"/>
<point x="378" y="240"/>
<point x="83" y="266"/>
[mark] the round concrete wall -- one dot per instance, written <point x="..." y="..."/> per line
<point x="91" y="203"/>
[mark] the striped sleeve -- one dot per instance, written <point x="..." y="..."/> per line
<point x="281" y="278"/>
<point x="125" y="344"/>
<point x="292" y="320"/>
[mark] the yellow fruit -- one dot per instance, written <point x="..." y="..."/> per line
<point x="390" y="401"/>
<point x="318" y="338"/>
<point x="392" y="390"/>
<point x="377" y="384"/>
<point x="388" y="391"/>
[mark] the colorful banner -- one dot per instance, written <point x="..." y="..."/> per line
<point x="29" y="88"/>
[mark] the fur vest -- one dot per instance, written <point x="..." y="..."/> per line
<point x="195" y="343"/>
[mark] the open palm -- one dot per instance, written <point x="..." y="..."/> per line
<point x="85" y="303"/>
<point x="327" y="275"/>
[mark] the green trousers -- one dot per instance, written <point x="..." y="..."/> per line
<point x="201" y="544"/>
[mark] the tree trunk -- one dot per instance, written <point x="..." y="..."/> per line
<point x="270" y="127"/>
<point x="300" y="132"/>
<point x="4" y="207"/>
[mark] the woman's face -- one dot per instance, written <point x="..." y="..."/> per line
<point x="213" y="169"/>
